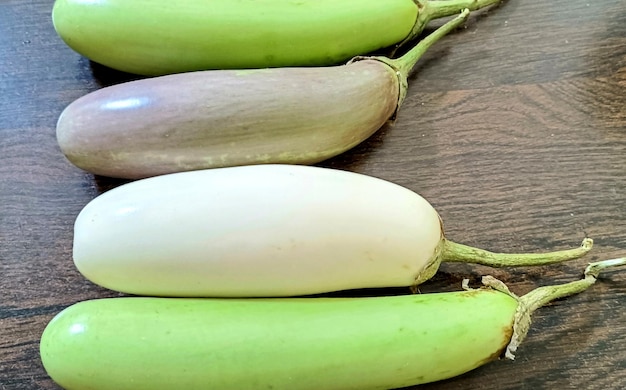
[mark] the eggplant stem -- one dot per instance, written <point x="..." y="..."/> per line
<point x="454" y="252"/>
<point x="541" y="296"/>
<point x="405" y="64"/>
<point x="428" y="10"/>
<point x="402" y="66"/>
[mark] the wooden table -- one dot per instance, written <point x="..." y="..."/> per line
<point x="514" y="128"/>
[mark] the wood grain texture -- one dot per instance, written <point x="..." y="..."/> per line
<point x="514" y="128"/>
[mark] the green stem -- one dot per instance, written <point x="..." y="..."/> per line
<point x="453" y="252"/>
<point x="405" y="64"/>
<point x="541" y="296"/>
<point x="428" y="10"/>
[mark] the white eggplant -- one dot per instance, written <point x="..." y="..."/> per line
<point x="268" y="230"/>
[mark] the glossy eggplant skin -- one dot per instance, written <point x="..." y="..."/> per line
<point x="256" y="231"/>
<point x="213" y="119"/>
<point x="289" y="344"/>
<point x="157" y="37"/>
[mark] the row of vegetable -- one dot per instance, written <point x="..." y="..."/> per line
<point x="227" y="232"/>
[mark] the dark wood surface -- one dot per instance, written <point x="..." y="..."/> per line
<point x="514" y="128"/>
